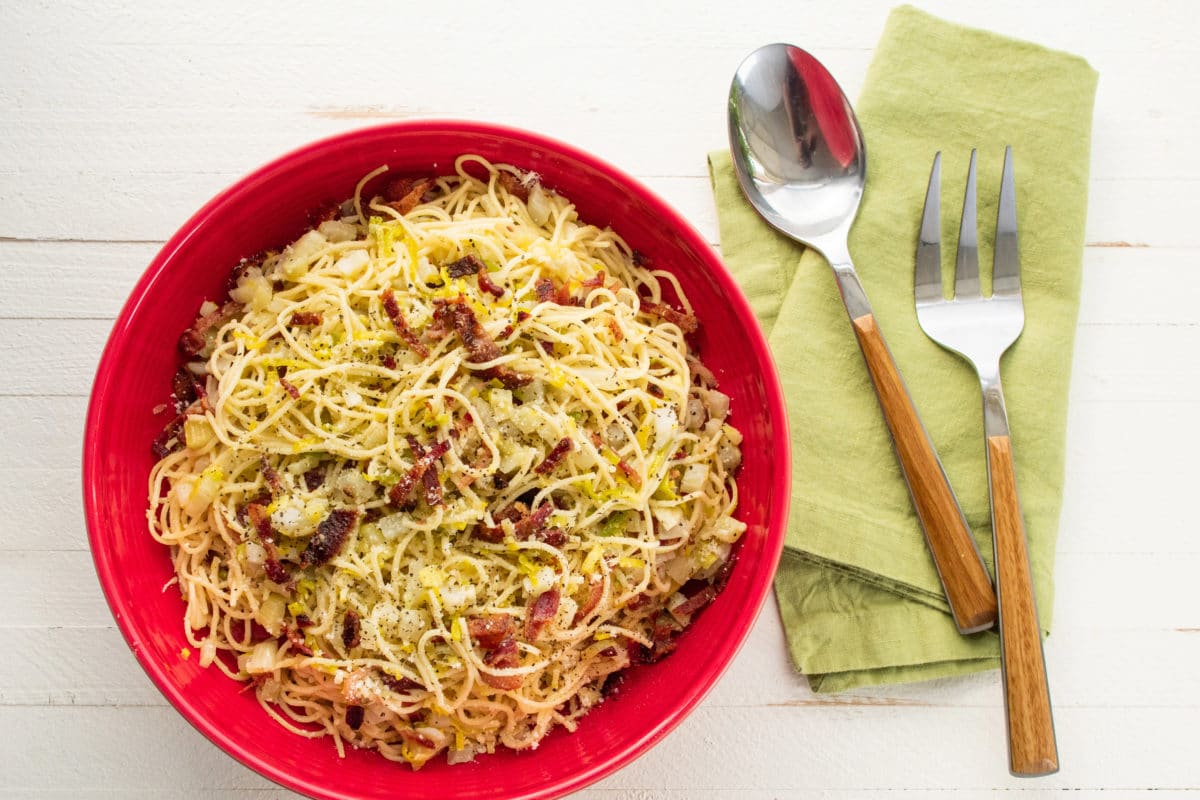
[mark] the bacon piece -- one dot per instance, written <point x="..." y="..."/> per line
<point x="503" y="656"/>
<point x="490" y="630"/>
<point x="389" y="361"/>
<point x="467" y="265"/>
<point x="306" y="318"/>
<point x="556" y="455"/>
<point x="595" y="595"/>
<point x="303" y="621"/>
<point x="615" y="327"/>
<point x="410" y="736"/>
<point x="398" y="684"/>
<point x="297" y="640"/>
<point x="257" y="512"/>
<point x="429" y="479"/>
<point x="663" y="637"/>
<point x="637" y="602"/>
<point x="194" y="339"/>
<point x="513" y="185"/>
<point x="686" y="322"/>
<point x="486" y="284"/>
<point x="290" y="388"/>
<point x="392" y="308"/>
<point x="351" y="630"/>
<point x="314" y="478"/>
<point x="654" y="389"/>
<point x="398" y="494"/>
<point x="269" y="474"/>
<point x="405" y="194"/>
<point x="354" y="717"/>
<point x="540" y="612"/>
<point x="544" y="288"/>
<point x="525" y="524"/>
<point x="555" y="537"/>
<point x="594" y="282"/>
<point x="457" y="315"/>
<point x="694" y="603"/>
<point x="169" y="439"/>
<point x="331" y="535"/>
<point x="631" y="474"/>
<point x="183" y="388"/>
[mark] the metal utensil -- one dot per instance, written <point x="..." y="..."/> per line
<point x="800" y="159"/>
<point x="980" y="329"/>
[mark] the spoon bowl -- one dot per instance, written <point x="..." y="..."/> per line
<point x="803" y="162"/>
<point x="799" y="156"/>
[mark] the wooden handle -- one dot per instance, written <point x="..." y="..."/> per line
<point x="964" y="577"/>
<point x="1032" y="749"/>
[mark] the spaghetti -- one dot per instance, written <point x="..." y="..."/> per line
<point x="441" y="466"/>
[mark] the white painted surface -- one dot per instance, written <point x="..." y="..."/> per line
<point x="116" y="125"/>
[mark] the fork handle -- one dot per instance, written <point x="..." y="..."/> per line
<point x="1032" y="749"/>
<point x="959" y="565"/>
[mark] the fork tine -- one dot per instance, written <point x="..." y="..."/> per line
<point x="966" y="262"/>
<point x="1006" y="265"/>
<point x="927" y="285"/>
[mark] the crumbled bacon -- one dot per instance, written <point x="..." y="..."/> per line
<point x="429" y="478"/>
<point x="314" y="478"/>
<point x="631" y="474"/>
<point x="654" y="389"/>
<point x="540" y="611"/>
<point x="398" y="494"/>
<point x="555" y="537"/>
<point x="490" y="630"/>
<point x="410" y="736"/>
<point x="392" y="309"/>
<point x="169" y="439"/>
<point x="183" y="388"/>
<point x="486" y="284"/>
<point x="694" y="603"/>
<point x="564" y="446"/>
<point x="594" y="282"/>
<point x="663" y="637"/>
<point x="615" y="328"/>
<point x="275" y="570"/>
<point x="686" y="322"/>
<point x="544" y="288"/>
<point x="297" y="640"/>
<point x="513" y="185"/>
<point x="398" y="684"/>
<point x="503" y="656"/>
<point x="269" y="474"/>
<point x="405" y="194"/>
<point x="290" y="388"/>
<point x="306" y="318"/>
<point x="595" y="595"/>
<point x="351" y="630"/>
<point x="354" y="717"/>
<point x="330" y="536"/>
<point x="467" y="265"/>
<point x="194" y="339"/>
<point x="525" y="523"/>
<point x="457" y="315"/>
<point x="388" y="361"/>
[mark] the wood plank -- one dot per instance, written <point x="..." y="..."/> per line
<point x="715" y="749"/>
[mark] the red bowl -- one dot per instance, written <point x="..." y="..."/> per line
<point x="270" y="207"/>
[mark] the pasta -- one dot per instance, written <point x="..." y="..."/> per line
<point x="442" y="466"/>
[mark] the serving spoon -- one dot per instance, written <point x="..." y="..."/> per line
<point x="800" y="159"/>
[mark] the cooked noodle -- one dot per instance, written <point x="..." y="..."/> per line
<point x="416" y="542"/>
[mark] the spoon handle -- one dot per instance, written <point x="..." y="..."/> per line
<point x="959" y="565"/>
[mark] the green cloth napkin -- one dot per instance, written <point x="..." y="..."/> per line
<point x="860" y="600"/>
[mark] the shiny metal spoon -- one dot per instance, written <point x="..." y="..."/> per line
<point x="800" y="159"/>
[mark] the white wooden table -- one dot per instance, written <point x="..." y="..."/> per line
<point x="115" y="125"/>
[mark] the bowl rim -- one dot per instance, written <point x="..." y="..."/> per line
<point x="106" y="564"/>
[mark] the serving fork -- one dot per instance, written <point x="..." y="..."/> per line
<point x="981" y="329"/>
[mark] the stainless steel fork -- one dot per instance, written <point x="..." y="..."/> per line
<point x="981" y="329"/>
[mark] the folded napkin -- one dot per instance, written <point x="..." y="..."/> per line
<point x="860" y="600"/>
